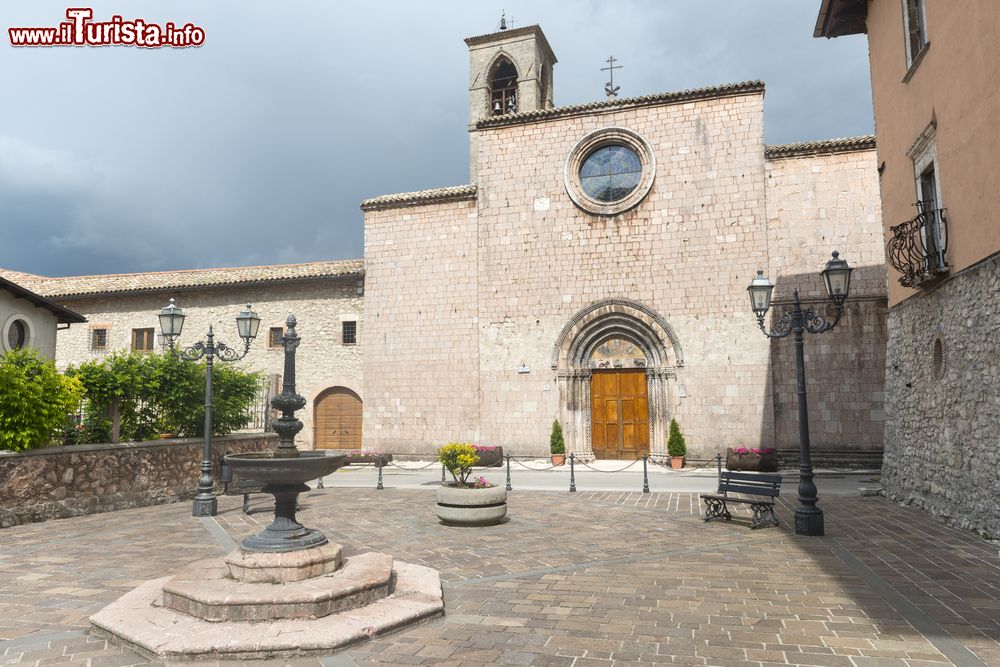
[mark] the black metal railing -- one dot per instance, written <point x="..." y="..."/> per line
<point x="917" y="247"/>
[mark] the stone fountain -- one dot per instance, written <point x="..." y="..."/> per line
<point x="286" y="590"/>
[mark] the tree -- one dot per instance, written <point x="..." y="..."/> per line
<point x="35" y="400"/>
<point x="556" y="443"/>
<point x="675" y="441"/>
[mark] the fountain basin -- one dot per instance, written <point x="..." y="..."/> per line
<point x="272" y="468"/>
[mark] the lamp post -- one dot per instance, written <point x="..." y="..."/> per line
<point x="171" y="323"/>
<point x="837" y="279"/>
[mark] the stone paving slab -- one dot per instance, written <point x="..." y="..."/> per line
<point x="601" y="578"/>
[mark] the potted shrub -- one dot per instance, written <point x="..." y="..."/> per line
<point x="752" y="459"/>
<point x="465" y="502"/>
<point x="557" y="447"/>
<point x="489" y="456"/>
<point x="676" y="447"/>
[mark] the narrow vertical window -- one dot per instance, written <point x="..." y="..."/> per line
<point x="275" y="336"/>
<point x="916" y="30"/>
<point x="99" y="340"/>
<point x="349" y="333"/>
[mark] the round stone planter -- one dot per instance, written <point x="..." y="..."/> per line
<point x="458" y="506"/>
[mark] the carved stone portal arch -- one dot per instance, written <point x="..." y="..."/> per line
<point x="655" y="348"/>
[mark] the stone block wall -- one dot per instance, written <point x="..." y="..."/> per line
<point x="421" y="363"/>
<point x="943" y="400"/>
<point x="320" y="305"/>
<point x="686" y="251"/>
<point x="58" y="482"/>
<point x="817" y="204"/>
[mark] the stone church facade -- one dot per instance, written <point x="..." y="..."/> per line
<point x="533" y="294"/>
<point x="594" y="271"/>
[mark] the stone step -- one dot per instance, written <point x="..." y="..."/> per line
<point x="138" y="621"/>
<point x="205" y="590"/>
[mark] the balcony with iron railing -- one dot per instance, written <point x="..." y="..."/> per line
<point x="917" y="247"/>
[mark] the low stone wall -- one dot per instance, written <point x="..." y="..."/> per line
<point x="57" y="482"/>
<point x="942" y="410"/>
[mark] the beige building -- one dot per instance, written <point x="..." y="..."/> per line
<point x="595" y="272"/>
<point x="326" y="297"/>
<point x="935" y="68"/>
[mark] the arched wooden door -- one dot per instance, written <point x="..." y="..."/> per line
<point x="619" y="408"/>
<point x="337" y="419"/>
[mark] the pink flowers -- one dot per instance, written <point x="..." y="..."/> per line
<point x="754" y="450"/>
<point x="480" y="483"/>
<point x="485" y="448"/>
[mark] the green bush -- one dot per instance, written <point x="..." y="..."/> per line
<point x="556" y="443"/>
<point x="458" y="459"/>
<point x="161" y="394"/>
<point x="35" y="400"/>
<point x="675" y="441"/>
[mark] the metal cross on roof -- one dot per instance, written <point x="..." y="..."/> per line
<point x="610" y="88"/>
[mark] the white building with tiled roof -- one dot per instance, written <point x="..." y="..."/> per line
<point x="326" y="297"/>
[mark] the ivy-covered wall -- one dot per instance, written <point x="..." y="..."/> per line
<point x="58" y="482"/>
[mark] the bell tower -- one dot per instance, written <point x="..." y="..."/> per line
<point x="510" y="71"/>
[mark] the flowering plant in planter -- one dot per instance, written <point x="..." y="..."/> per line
<point x="467" y="502"/>
<point x="488" y="455"/>
<point x="760" y="459"/>
<point x="458" y="459"/>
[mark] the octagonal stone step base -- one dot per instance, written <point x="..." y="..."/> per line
<point x="138" y="620"/>
<point x="205" y="590"/>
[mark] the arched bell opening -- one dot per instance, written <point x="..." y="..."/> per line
<point x="503" y="87"/>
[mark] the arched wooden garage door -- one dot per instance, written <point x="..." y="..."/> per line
<point x="337" y="419"/>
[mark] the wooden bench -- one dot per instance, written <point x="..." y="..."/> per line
<point x="764" y="487"/>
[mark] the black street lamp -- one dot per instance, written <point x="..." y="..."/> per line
<point x="837" y="279"/>
<point x="171" y="323"/>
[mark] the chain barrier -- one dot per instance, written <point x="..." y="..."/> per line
<point x="585" y="465"/>
<point x="716" y="460"/>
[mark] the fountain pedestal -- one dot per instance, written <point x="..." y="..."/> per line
<point x="287" y="590"/>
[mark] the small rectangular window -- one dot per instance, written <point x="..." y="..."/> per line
<point x="274" y="336"/>
<point x="142" y="340"/>
<point x="98" y="340"/>
<point x="349" y="333"/>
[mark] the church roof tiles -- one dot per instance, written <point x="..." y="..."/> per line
<point x="864" y="142"/>
<point x="724" y="90"/>
<point x="80" y="286"/>
<point x="454" y="193"/>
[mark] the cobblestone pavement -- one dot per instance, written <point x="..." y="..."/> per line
<point x="600" y="578"/>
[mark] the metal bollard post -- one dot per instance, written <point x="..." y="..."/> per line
<point x="379" y="487"/>
<point x="572" y="475"/>
<point x="442" y="474"/>
<point x="508" y="472"/>
<point x="718" y="465"/>
<point x="319" y="484"/>
<point x="645" y="476"/>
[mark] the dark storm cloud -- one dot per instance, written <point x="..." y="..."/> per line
<point x="259" y="146"/>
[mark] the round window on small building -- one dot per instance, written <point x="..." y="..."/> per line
<point x="17" y="335"/>
<point x="609" y="171"/>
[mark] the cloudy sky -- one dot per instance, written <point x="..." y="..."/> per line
<point x="257" y="147"/>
